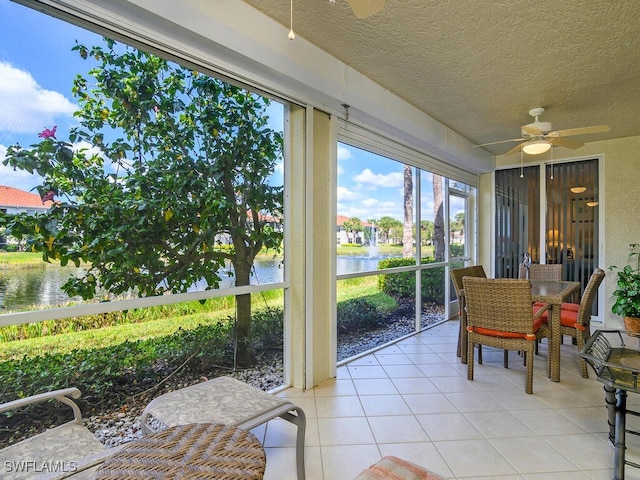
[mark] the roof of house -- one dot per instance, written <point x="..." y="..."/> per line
<point x="340" y="219"/>
<point x="14" y="197"/>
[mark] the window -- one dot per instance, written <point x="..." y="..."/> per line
<point x="380" y="203"/>
<point x="149" y="205"/>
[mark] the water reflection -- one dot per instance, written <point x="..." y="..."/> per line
<point x="30" y="288"/>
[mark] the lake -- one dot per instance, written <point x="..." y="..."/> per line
<point x="26" y="288"/>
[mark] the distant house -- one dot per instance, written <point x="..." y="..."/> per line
<point x="14" y="200"/>
<point x="344" y="236"/>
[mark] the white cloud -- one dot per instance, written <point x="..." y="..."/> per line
<point x="344" y="153"/>
<point x="344" y="194"/>
<point x="393" y="179"/>
<point x="26" y="106"/>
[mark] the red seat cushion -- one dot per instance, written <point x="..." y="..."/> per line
<point x="568" y="318"/>
<point x="574" y="307"/>
<point x="537" y="323"/>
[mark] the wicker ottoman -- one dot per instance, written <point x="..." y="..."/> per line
<point x="195" y="451"/>
<point x="228" y="401"/>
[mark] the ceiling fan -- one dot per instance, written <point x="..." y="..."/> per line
<point x="538" y="137"/>
<point x="364" y="8"/>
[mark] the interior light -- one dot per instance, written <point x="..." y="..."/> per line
<point x="592" y="204"/>
<point x="578" y="189"/>
<point x="536" y="147"/>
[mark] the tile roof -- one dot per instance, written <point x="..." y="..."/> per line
<point x="13" y="197"/>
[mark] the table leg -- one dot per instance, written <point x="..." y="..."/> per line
<point x="619" y="443"/>
<point x="610" y="401"/>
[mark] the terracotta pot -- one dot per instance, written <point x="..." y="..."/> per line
<point x="632" y="324"/>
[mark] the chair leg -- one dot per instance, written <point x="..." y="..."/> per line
<point x="505" y="360"/>
<point x="470" y="352"/>
<point x="580" y="340"/>
<point x="464" y="344"/>
<point x="529" y="375"/>
<point x="479" y="354"/>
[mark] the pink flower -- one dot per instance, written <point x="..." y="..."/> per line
<point x="46" y="133"/>
<point x="48" y="196"/>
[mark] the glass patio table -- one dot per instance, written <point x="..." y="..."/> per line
<point x="554" y="293"/>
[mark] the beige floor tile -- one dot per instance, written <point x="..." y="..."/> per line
<point x="431" y="370"/>
<point x="281" y="433"/>
<point x="420" y="453"/>
<point x="345" y="431"/>
<point x="281" y="463"/>
<point x="367" y="371"/>
<point x="592" y="454"/>
<point x="467" y="458"/>
<point x="414" y="385"/>
<point x="393" y="359"/>
<point x="376" y="405"/>
<point x="375" y="386"/>
<point x="425" y="403"/>
<point x="346" y="462"/>
<point x="532" y="455"/>
<point x="485" y="429"/>
<point x="403" y="371"/>
<point x="335" y="387"/>
<point x="448" y="426"/>
<point x="498" y="424"/>
<point x="342" y="406"/>
<point x="397" y="429"/>
<point x="473" y="402"/>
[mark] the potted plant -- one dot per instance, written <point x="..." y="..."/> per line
<point x="627" y="293"/>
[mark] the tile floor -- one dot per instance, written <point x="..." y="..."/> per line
<point x="413" y="400"/>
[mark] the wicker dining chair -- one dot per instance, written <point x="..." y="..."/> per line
<point x="575" y="319"/>
<point x="456" y="278"/>
<point x="499" y="315"/>
<point x="546" y="272"/>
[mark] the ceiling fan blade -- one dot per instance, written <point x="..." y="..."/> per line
<point x="580" y="131"/>
<point x="500" y="141"/>
<point x="515" y="149"/>
<point x="565" y="142"/>
<point x="531" y="130"/>
<point x="366" y="8"/>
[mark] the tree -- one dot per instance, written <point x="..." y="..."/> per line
<point x="386" y="224"/>
<point x="353" y="225"/>
<point x="427" y="232"/>
<point x="150" y="210"/>
<point x="438" y="223"/>
<point x="407" y="230"/>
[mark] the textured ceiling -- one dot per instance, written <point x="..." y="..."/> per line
<point x="479" y="66"/>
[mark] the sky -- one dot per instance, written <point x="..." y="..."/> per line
<point x="37" y="68"/>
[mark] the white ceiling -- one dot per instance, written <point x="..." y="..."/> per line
<point x="479" y="66"/>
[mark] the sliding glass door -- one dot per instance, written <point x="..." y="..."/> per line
<point x="551" y="212"/>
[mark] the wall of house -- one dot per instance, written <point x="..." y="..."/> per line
<point x="619" y="206"/>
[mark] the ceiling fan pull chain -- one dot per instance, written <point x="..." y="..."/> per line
<point x="291" y="35"/>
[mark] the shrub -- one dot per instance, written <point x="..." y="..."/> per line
<point x="267" y="327"/>
<point x="358" y="314"/>
<point x="403" y="285"/>
<point x="456" y="250"/>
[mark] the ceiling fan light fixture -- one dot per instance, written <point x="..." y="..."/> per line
<point x="578" y="189"/>
<point x="365" y="8"/>
<point x="536" y="147"/>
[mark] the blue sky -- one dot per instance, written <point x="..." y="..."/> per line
<point x="371" y="186"/>
<point x="37" y="68"/>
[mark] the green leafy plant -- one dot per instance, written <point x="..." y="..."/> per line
<point x="627" y="293"/>
<point x="178" y="165"/>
